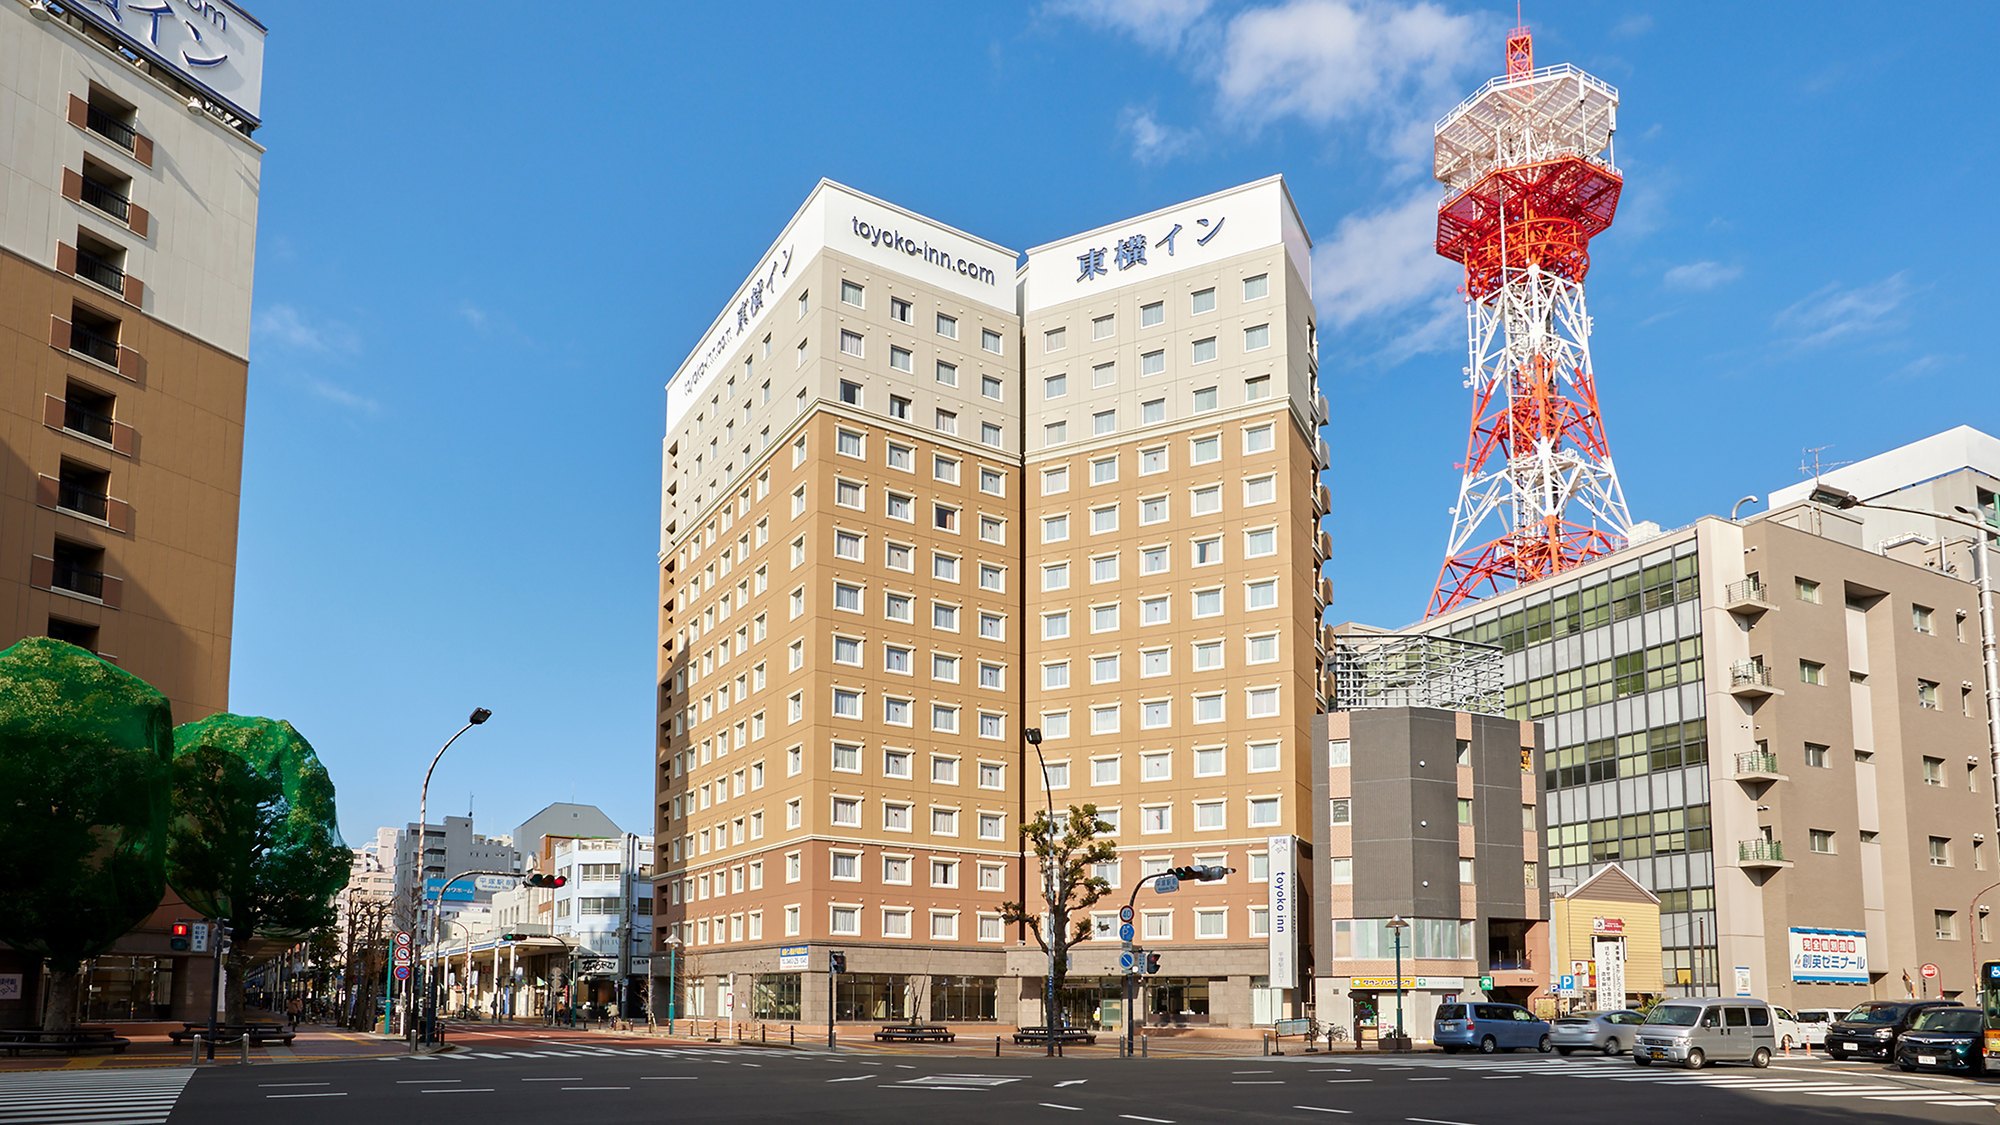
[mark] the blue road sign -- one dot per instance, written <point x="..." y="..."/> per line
<point x="1125" y="960"/>
<point x="1566" y="983"/>
<point x="402" y="972"/>
<point x="1125" y="931"/>
<point x="1167" y="884"/>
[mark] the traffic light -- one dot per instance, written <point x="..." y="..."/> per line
<point x="836" y="961"/>
<point x="515" y="937"/>
<point x="181" y="940"/>
<point x="1200" y="873"/>
<point x="1152" y="963"/>
<point x="544" y="881"/>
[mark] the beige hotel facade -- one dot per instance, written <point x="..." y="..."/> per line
<point x="921" y="492"/>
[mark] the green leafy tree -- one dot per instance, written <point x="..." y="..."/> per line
<point x="84" y="747"/>
<point x="1067" y="852"/>
<point x="252" y="838"/>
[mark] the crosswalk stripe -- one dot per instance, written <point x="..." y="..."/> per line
<point x="91" y="1097"/>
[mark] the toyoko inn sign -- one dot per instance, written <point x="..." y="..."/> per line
<point x="211" y="43"/>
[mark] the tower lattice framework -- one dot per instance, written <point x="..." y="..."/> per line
<point x="1527" y="164"/>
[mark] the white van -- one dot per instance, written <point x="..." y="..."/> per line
<point x="1813" y="1023"/>
<point x="1700" y="1030"/>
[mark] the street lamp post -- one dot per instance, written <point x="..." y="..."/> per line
<point x="479" y="715"/>
<point x="1396" y="926"/>
<point x="673" y="944"/>
<point x="1033" y="735"/>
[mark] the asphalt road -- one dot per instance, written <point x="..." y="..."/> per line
<point x="528" y="1079"/>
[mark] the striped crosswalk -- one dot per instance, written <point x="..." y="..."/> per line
<point x="592" y="1051"/>
<point x="1865" y="1088"/>
<point x="93" y="1097"/>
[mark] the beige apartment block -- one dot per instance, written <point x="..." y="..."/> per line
<point x="1776" y="726"/>
<point x="862" y="608"/>
<point x="127" y="234"/>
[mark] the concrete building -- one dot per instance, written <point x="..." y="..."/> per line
<point x="864" y="601"/>
<point x="127" y="233"/>
<point x="1775" y="726"/>
<point x="449" y="849"/>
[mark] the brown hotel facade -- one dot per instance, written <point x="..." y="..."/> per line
<point x="916" y="499"/>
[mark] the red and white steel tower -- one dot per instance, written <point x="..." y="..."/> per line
<point x="1527" y="164"/>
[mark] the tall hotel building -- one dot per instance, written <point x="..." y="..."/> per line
<point x="917" y="499"/>
<point x="127" y="232"/>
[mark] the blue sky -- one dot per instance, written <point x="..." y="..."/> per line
<point x="489" y="235"/>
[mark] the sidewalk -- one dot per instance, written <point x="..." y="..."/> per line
<point x="151" y="1047"/>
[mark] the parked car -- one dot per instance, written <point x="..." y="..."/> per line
<point x="1871" y="1029"/>
<point x="1813" y="1023"/>
<point x="1944" y="1039"/>
<point x="1701" y="1030"/>
<point x="1488" y="1027"/>
<point x="1785" y="1027"/>
<point x="1609" y="1032"/>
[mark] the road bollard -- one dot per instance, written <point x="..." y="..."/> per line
<point x="1264" y="1044"/>
<point x="245" y="1041"/>
<point x="196" y="1056"/>
<point x="795" y="1035"/>
<point x="1142" y="1045"/>
<point x="996" y="1046"/>
<point x="763" y="1034"/>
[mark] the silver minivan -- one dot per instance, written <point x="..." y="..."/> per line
<point x="1700" y="1030"/>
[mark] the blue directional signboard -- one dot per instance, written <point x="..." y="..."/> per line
<point x="1167" y="884"/>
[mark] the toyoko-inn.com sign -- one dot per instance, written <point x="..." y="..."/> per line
<point x="1279" y="897"/>
<point x="1829" y="956"/>
<point x="211" y="43"/>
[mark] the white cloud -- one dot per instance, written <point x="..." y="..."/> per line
<point x="1382" y="263"/>
<point x="1328" y="61"/>
<point x="472" y="314"/>
<point x="1700" y="276"/>
<point x="1152" y="141"/>
<point x="1831" y="313"/>
<point x="336" y="394"/>
<point x="1159" y="24"/>
<point x="1632" y="26"/>
<point x="287" y="327"/>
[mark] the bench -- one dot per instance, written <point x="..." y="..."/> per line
<point x="915" y="1033"/>
<point x="1061" y="1035"/>
<point x="259" y="1033"/>
<point x="68" y="1042"/>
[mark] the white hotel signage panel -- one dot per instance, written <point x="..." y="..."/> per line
<point x="211" y="43"/>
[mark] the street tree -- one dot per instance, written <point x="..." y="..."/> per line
<point x="252" y="839"/>
<point x="84" y="747"/>
<point x="1067" y="851"/>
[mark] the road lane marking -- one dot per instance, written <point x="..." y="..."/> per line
<point x="1072" y="1082"/>
<point x="1322" y="1109"/>
<point x="1154" y="1120"/>
<point x="1447" y="1079"/>
<point x="1350" y="1080"/>
<point x="597" y="1087"/>
<point x="1249" y="1072"/>
<point x="334" y="1094"/>
<point x="856" y="1078"/>
<point x="1503" y="1077"/>
<point x="572" y="1079"/>
<point x="467" y="1090"/>
<point x="426" y="1081"/>
<point x="1436" y="1121"/>
<point x="1071" y="1108"/>
<point x="668" y="1078"/>
<point x="1257" y="1082"/>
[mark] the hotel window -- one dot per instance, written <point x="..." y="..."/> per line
<point x="1816" y="755"/>
<point x="896" y="763"/>
<point x="992" y="529"/>
<point x="1940" y="851"/>
<point x="850" y="444"/>
<point x="1155" y="610"/>
<point x="989" y="387"/>
<point x="1254" y="337"/>
<point x="947" y="326"/>
<point x="992" y="725"/>
<point x="1055" y="433"/>
<point x="944" y="925"/>
<point x="1204" y="351"/>
<point x="1201" y="301"/>
<point x="1256" y="287"/>
<point x="895" y="711"/>
<point x="1208" y="603"/>
<point x="1152" y="363"/>
<point x="1104" y="375"/>
<point x="1152" y="315"/>
<point x="848" y="545"/>
<point x="896" y="816"/>
<point x="1104" y="422"/>
<point x="992" y="676"/>
<point x="1920" y="618"/>
<point x="847" y="650"/>
<point x="1259" y="542"/>
<point x="992" y="826"/>
<point x="1055" y="626"/>
<point x="1105" y="719"/>
<point x="1263" y="702"/>
<point x="1211" y="816"/>
<point x="1053" y="340"/>
<point x="944" y="617"/>
<point x="1104" y="771"/>
<point x="805" y="304"/>
<point x="1464" y="870"/>
<point x="896" y="921"/>
<point x="1152" y="509"/>
<point x="1153" y="460"/>
<point x="795" y="760"/>
<point x="846" y="866"/>
<point x="989" y="434"/>
<point x="1207" y="550"/>
<point x="793" y="813"/>
<point x="1263" y="812"/>
<point x="1153" y="560"/>
<point x="1209" y="761"/>
<point x="992" y="775"/>
<point x="899" y="556"/>
<point x="846" y="703"/>
<point x="901" y="507"/>
<point x="844" y="920"/>
<point x="1808" y="590"/>
<point x="1055" y="675"/>
<point x="1933" y="771"/>
<point x="851" y="294"/>
<point x="847" y="757"/>
<point x="1258" y="439"/>
<point x="1055" y="576"/>
<point x="944" y="822"/>
<point x="847" y="811"/>
<point x="947" y="373"/>
<point x="1203" y="450"/>
<point x="944" y="873"/>
<point x="1104" y="568"/>
<point x="1102" y="327"/>
<point x="1054" y="386"/>
<point x="1945" y="924"/>
<point x="1055" y="480"/>
<point x="1820" y="840"/>
<point x="1927" y="694"/>
<point x="899" y="310"/>
<point x="1260" y="649"/>
<point x="1257" y="389"/>
<point x="902" y="457"/>
<point x="1104" y="470"/>
<point x="1055" y="529"/>
<point x="1104" y="668"/>
<point x="1154" y="819"/>
<point x="1153" y="411"/>
<point x="1104" y="519"/>
<point x="897" y="659"/>
<point x="1204" y="399"/>
<point x="1208" y="708"/>
<point x="992" y="626"/>
<point x="947" y="421"/>
<point x="1261" y="594"/>
<point x="1208" y="500"/>
<point x="944" y="468"/>
<point x="1156" y="765"/>
<point x="1260" y="490"/>
<point x="1155" y="662"/>
<point x="1104" y="618"/>
<point x="899" y="359"/>
<point x="847" y="597"/>
<point x="944" y="667"/>
<point x="1812" y="672"/>
<point x="989" y="340"/>
<point x="944" y="517"/>
<point x="991" y="928"/>
<point x="850" y="342"/>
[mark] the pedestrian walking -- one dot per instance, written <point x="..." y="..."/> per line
<point x="295" y="1006"/>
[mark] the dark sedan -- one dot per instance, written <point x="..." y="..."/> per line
<point x="1944" y="1039"/>
<point x="1872" y="1029"/>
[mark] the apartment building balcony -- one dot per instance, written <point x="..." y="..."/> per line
<point x="1749" y="597"/>
<point x="1758" y="766"/>
<point x="1322" y="409"/>
<point x="1761" y="854"/>
<point x="1749" y="679"/>
<point x="1323" y="591"/>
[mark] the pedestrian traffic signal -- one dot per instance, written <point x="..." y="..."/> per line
<point x="1152" y="962"/>
<point x="544" y="881"/>
<point x="182" y="937"/>
<point x="836" y="961"/>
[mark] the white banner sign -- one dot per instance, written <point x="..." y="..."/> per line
<point x="1830" y="956"/>
<point x="1610" y="975"/>
<point x="1280" y="894"/>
